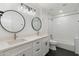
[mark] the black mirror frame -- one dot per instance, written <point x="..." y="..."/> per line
<point x="40" y="23"/>
<point x="19" y="14"/>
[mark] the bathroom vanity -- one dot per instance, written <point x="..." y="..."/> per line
<point x="28" y="46"/>
<point x="33" y="45"/>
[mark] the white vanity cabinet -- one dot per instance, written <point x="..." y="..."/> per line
<point x="37" y="47"/>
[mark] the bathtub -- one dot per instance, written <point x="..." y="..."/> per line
<point x="65" y="45"/>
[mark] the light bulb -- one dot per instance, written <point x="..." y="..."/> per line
<point x="61" y="11"/>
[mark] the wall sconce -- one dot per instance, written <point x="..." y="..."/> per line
<point x="27" y="9"/>
<point x="1" y="12"/>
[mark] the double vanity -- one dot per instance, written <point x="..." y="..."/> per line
<point x="35" y="45"/>
<point x="28" y="46"/>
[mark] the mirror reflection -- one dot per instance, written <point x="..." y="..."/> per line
<point x="12" y="21"/>
<point x="36" y="23"/>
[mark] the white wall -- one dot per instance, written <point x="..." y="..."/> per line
<point x="64" y="30"/>
<point x="28" y="29"/>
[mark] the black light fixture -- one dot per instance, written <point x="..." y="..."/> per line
<point x="27" y="9"/>
<point x="64" y="4"/>
<point x="1" y="12"/>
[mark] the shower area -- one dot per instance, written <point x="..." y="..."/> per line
<point x="64" y="29"/>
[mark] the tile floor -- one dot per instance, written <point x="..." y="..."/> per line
<point x="60" y="52"/>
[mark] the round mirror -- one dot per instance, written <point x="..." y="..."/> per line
<point x="12" y="21"/>
<point x="36" y="23"/>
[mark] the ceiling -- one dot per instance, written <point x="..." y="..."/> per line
<point x="58" y="8"/>
<point x="50" y="8"/>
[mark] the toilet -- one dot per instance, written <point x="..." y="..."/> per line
<point x="53" y="45"/>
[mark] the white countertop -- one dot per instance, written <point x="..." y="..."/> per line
<point x="4" y="45"/>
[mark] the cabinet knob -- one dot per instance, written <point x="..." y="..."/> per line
<point x="46" y="43"/>
<point x="23" y="54"/>
<point x="37" y="42"/>
<point x="37" y="49"/>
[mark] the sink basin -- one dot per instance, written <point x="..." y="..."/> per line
<point x="3" y="45"/>
<point x="16" y="41"/>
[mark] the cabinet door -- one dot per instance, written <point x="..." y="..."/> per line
<point x="20" y="54"/>
<point x="1" y="53"/>
<point x="26" y="52"/>
<point x="18" y="50"/>
<point x="45" y="45"/>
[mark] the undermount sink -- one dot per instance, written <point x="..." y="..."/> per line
<point x="16" y="41"/>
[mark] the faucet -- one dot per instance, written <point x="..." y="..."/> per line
<point x="14" y="36"/>
<point x="38" y="33"/>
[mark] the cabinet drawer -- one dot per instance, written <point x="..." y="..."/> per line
<point x="26" y="52"/>
<point x="36" y="52"/>
<point x="37" y="43"/>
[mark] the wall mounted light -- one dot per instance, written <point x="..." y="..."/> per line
<point x="27" y="9"/>
<point x="1" y="12"/>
